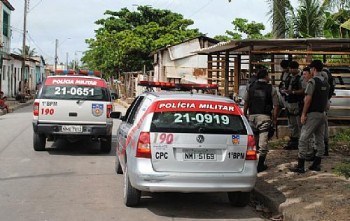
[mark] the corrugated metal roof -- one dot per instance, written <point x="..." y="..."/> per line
<point x="247" y="45"/>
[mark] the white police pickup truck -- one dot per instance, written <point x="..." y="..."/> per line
<point x="73" y="107"/>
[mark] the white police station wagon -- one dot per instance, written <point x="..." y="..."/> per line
<point x="73" y="107"/>
<point x="185" y="142"/>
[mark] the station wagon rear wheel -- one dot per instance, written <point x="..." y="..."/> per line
<point x="39" y="142"/>
<point x="131" y="195"/>
<point x="239" y="199"/>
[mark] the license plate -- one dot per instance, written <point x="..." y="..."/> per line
<point x="199" y="155"/>
<point x="72" y="129"/>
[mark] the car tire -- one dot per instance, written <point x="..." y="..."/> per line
<point x="239" y="199"/>
<point x="106" y="144"/>
<point x="39" y="142"/>
<point x="118" y="167"/>
<point x="131" y="195"/>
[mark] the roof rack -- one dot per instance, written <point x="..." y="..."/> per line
<point x="170" y="86"/>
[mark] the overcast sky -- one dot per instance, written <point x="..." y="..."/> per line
<point x="72" y="21"/>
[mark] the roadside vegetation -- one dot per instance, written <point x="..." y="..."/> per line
<point x="340" y="143"/>
<point x="125" y="39"/>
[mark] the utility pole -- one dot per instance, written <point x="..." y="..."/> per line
<point x="66" y="60"/>
<point x="24" y="45"/>
<point x="56" y="58"/>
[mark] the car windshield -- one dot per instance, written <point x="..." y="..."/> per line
<point x="197" y="122"/>
<point x="75" y="93"/>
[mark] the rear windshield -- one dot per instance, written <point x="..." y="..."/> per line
<point x="74" y="92"/>
<point x="197" y="122"/>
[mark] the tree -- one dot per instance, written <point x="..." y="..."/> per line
<point x="125" y="39"/>
<point x="337" y="4"/>
<point x="27" y="51"/>
<point x="244" y="29"/>
<point x="310" y="19"/>
<point x="281" y="15"/>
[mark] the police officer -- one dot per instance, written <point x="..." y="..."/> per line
<point x="282" y="86"/>
<point x="310" y="155"/>
<point x="260" y="99"/>
<point x="313" y="117"/>
<point x="294" y="96"/>
<point x="285" y="73"/>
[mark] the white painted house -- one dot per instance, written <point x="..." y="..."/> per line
<point x="179" y="63"/>
<point x="5" y="44"/>
<point x="11" y="64"/>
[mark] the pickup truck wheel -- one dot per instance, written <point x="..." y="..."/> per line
<point x="131" y="195"/>
<point x="239" y="199"/>
<point x="39" y="142"/>
<point x="118" y="167"/>
<point x="106" y="144"/>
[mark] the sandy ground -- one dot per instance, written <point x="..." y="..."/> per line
<point x="310" y="196"/>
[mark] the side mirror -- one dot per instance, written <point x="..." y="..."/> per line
<point x="116" y="115"/>
<point x="114" y="96"/>
<point x="240" y="101"/>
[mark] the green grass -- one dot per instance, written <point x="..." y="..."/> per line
<point x="276" y="144"/>
<point x="343" y="136"/>
<point x="343" y="169"/>
<point x="341" y="143"/>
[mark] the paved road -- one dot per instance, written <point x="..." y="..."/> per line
<point x="76" y="182"/>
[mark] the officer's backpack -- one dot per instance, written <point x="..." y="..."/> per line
<point x="331" y="82"/>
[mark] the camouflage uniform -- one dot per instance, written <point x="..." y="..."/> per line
<point x="260" y="114"/>
<point x="294" y="123"/>
<point x="313" y="117"/>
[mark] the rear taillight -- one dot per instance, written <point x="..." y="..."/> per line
<point x="143" y="145"/>
<point x="109" y="110"/>
<point x="36" y="109"/>
<point x="251" y="148"/>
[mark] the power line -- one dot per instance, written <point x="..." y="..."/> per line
<point x="37" y="46"/>
<point x="35" y="5"/>
<point x="168" y="5"/>
<point x="200" y="9"/>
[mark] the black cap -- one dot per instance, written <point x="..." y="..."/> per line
<point x="317" y="64"/>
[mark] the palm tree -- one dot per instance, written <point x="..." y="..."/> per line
<point x="310" y="18"/>
<point x="27" y="51"/>
<point x="337" y="4"/>
<point x="305" y="21"/>
<point x="282" y="17"/>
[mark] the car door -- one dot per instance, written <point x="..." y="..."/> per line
<point x="124" y="128"/>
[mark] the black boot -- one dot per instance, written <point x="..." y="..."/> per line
<point x="300" y="167"/>
<point x="261" y="164"/>
<point x="326" y="148"/>
<point x="292" y="144"/>
<point x="316" y="165"/>
<point x="311" y="157"/>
